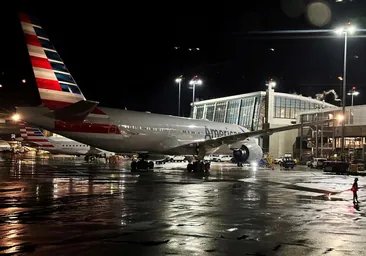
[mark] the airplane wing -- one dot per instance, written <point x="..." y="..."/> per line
<point x="216" y="142"/>
<point x="31" y="144"/>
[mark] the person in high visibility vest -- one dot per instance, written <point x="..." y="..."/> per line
<point x="354" y="190"/>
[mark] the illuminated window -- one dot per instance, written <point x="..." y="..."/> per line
<point x="257" y="117"/>
<point x="199" y="112"/>
<point x="277" y="112"/>
<point x="293" y="108"/>
<point x="232" y="111"/>
<point x="220" y="112"/>
<point x="283" y="107"/>
<point x="210" y="108"/>
<point x="246" y="111"/>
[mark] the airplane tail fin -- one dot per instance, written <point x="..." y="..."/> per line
<point x="56" y="86"/>
<point x="34" y="135"/>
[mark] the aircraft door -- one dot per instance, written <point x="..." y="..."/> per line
<point x="112" y="127"/>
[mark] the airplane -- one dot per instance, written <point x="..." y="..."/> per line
<point x="59" y="145"/>
<point x="65" y="111"/>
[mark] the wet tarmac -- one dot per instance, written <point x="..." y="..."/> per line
<point x="63" y="207"/>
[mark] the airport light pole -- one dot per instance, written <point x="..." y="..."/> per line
<point x="344" y="31"/>
<point x="353" y="92"/>
<point x="322" y="129"/>
<point x="195" y="81"/>
<point x="272" y="84"/>
<point x="179" y="80"/>
<point x="268" y="115"/>
<point x="340" y="89"/>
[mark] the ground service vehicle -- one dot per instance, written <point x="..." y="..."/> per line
<point x="288" y="162"/>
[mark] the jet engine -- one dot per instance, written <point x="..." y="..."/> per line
<point x="248" y="153"/>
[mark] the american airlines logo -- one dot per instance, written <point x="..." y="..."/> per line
<point x="216" y="133"/>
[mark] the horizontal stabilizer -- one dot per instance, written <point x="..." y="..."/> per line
<point x="76" y="112"/>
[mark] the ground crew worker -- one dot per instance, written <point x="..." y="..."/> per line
<point x="354" y="190"/>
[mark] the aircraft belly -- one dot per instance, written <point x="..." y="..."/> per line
<point x="116" y="142"/>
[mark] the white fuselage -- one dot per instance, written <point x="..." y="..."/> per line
<point x="126" y="131"/>
<point x="66" y="146"/>
<point x="70" y="147"/>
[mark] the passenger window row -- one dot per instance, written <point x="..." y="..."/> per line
<point x="74" y="145"/>
<point x="156" y="129"/>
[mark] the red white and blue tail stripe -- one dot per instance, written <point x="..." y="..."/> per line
<point x="34" y="135"/>
<point x="56" y="86"/>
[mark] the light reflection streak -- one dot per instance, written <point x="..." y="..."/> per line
<point x="37" y="192"/>
<point x="41" y="185"/>
<point x="91" y="185"/>
<point x="190" y="200"/>
<point x="10" y="238"/>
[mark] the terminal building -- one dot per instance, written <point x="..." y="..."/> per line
<point x="259" y="110"/>
<point x="326" y="140"/>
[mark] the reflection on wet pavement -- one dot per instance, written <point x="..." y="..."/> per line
<point x="59" y="207"/>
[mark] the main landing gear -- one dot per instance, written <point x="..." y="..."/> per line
<point x="89" y="158"/>
<point x="92" y="158"/>
<point x="199" y="166"/>
<point x="141" y="163"/>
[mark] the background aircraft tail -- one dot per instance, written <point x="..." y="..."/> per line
<point x="56" y="86"/>
<point x="34" y="135"/>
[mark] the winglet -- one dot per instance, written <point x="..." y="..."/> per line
<point x="76" y="112"/>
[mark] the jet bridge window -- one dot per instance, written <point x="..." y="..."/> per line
<point x="232" y="111"/>
<point x="199" y="112"/>
<point x="210" y="111"/>
<point x="220" y="112"/>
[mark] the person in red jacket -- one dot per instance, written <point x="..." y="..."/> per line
<point x="354" y="190"/>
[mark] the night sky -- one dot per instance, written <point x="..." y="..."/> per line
<point x="128" y="55"/>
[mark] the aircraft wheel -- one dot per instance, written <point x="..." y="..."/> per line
<point x="195" y="166"/>
<point x="142" y="165"/>
<point x="133" y="166"/>
<point x="189" y="167"/>
<point x="207" y="167"/>
<point x="198" y="167"/>
<point x="151" y="165"/>
<point x="201" y="167"/>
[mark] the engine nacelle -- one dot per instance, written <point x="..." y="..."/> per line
<point x="248" y="153"/>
